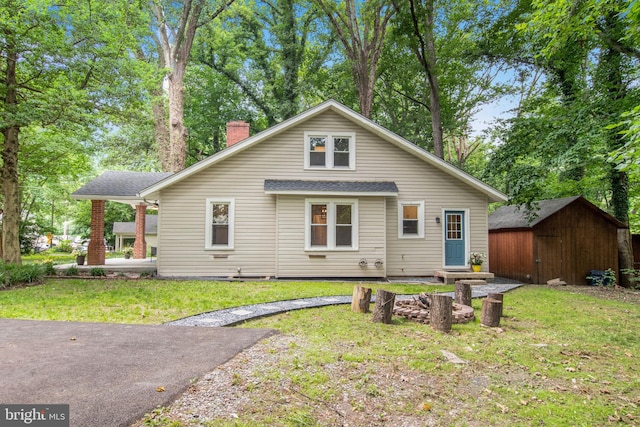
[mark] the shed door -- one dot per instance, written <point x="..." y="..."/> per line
<point x="548" y="258"/>
<point x="454" y="239"/>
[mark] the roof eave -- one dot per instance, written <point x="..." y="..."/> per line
<point x="333" y="193"/>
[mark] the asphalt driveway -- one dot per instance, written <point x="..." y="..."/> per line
<point x="109" y="374"/>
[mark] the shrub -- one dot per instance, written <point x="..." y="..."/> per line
<point x="64" y="246"/>
<point x="14" y="274"/>
<point x="71" y="271"/>
<point x="97" y="272"/>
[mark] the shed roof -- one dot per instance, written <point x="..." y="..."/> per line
<point x="150" y="226"/>
<point x="363" y="188"/>
<point x="518" y="216"/>
<point x="119" y="186"/>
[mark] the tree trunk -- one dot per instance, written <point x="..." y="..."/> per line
<point x="625" y="257"/>
<point x="491" y="309"/>
<point x="463" y="293"/>
<point x="362" y="43"/>
<point x="177" y="130"/>
<point x="426" y="53"/>
<point x="498" y="296"/>
<point x="161" y="131"/>
<point x="11" y="197"/>
<point x="614" y="88"/>
<point x="361" y="299"/>
<point x="9" y="171"/>
<point x="383" y="309"/>
<point x="441" y="313"/>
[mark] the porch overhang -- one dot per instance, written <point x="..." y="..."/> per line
<point x="121" y="187"/>
<point x="331" y="188"/>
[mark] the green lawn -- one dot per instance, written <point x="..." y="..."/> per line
<point x="158" y="301"/>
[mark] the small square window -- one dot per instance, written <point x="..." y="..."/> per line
<point x="411" y="219"/>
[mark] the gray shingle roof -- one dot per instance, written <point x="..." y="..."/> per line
<point x="300" y="186"/>
<point x="150" y="226"/>
<point x="119" y="184"/>
<point x="517" y="216"/>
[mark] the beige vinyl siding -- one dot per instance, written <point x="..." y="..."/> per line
<point x="294" y="261"/>
<point x="241" y="177"/>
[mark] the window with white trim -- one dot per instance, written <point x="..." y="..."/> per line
<point x="329" y="151"/>
<point x="331" y="224"/>
<point x="220" y="224"/>
<point x="411" y="219"/>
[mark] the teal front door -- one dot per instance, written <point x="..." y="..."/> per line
<point x="454" y="239"/>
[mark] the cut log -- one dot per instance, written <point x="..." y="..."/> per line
<point x="383" y="309"/>
<point x="441" y="313"/>
<point x="498" y="296"/>
<point x="491" y="309"/>
<point x="463" y="293"/>
<point x="361" y="299"/>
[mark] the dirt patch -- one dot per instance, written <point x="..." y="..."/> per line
<point x="615" y="293"/>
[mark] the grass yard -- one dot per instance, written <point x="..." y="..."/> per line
<point x="561" y="357"/>
<point x="158" y="301"/>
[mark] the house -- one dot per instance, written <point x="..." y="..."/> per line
<point x="327" y="193"/>
<point x="125" y="232"/>
<point x="564" y="238"/>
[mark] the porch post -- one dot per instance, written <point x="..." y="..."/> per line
<point x="140" y="245"/>
<point x="96" y="249"/>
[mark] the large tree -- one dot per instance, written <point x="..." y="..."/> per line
<point x="58" y="62"/>
<point x="560" y="143"/>
<point x="268" y="51"/>
<point x="419" y="18"/>
<point x="361" y="28"/>
<point x="176" y="24"/>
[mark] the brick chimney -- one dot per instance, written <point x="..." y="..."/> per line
<point x="236" y="132"/>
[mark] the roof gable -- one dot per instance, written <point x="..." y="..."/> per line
<point x="331" y="105"/>
<point x="518" y="216"/>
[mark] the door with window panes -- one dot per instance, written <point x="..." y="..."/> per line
<point x="454" y="239"/>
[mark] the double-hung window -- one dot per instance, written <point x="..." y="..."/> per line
<point x="330" y="151"/>
<point x="219" y="224"/>
<point x="410" y="220"/>
<point x="331" y="225"/>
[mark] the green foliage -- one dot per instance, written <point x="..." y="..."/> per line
<point x="113" y="212"/>
<point x="71" y="271"/>
<point x="634" y="276"/>
<point x="97" y="272"/>
<point x="64" y="246"/>
<point x="12" y="275"/>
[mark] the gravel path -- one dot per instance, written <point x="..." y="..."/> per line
<point x="235" y="315"/>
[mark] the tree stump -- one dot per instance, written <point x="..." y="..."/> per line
<point x="497" y="296"/>
<point x="383" y="309"/>
<point x="441" y="313"/>
<point x="491" y="309"/>
<point x="463" y="293"/>
<point x="361" y="299"/>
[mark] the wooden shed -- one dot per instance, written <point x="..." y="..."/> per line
<point x="564" y="238"/>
